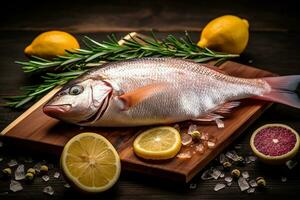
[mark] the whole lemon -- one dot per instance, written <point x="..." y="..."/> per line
<point x="51" y="44"/>
<point x="228" y="34"/>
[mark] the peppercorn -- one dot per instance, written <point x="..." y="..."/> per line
<point x="31" y="170"/>
<point x="44" y="169"/>
<point x="29" y="176"/>
<point x="196" y="135"/>
<point x="261" y="182"/>
<point x="7" y="171"/>
<point x="235" y="173"/>
<point x="226" y="165"/>
<point x="240" y="161"/>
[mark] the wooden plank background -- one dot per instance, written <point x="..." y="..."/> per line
<point x="273" y="46"/>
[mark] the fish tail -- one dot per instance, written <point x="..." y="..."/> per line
<point x="283" y="90"/>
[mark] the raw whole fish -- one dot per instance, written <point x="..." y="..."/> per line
<point x="151" y="91"/>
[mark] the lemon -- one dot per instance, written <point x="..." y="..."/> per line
<point x="158" y="143"/>
<point x="228" y="34"/>
<point x="51" y="44"/>
<point x="90" y="162"/>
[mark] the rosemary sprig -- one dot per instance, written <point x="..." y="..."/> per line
<point x="112" y="50"/>
<point x="72" y="64"/>
<point x="34" y="92"/>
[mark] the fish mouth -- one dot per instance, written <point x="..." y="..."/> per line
<point x="55" y="110"/>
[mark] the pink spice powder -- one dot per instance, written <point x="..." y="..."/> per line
<point x="274" y="141"/>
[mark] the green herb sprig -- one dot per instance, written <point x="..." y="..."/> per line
<point x="73" y="63"/>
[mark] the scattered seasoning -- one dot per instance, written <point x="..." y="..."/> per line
<point x="222" y="158"/>
<point x="216" y="173"/>
<point x="204" y="136"/>
<point x="206" y="175"/>
<point x="45" y="178"/>
<point x="219" y="186"/>
<point x="222" y="175"/>
<point x="232" y="155"/>
<point x="243" y="184"/>
<point x="235" y="173"/>
<point x="12" y="163"/>
<point x="15" y="186"/>
<point x="245" y="175"/>
<point x="186" y="139"/>
<point x="283" y="179"/>
<point x="228" y="179"/>
<point x="31" y="170"/>
<point x="56" y="175"/>
<point x="291" y="164"/>
<point x="20" y="173"/>
<point x="200" y="148"/>
<point x="210" y="144"/>
<point x="193" y="186"/>
<point x="44" y="169"/>
<point x="184" y="155"/>
<point x="29" y="176"/>
<point x="7" y="171"/>
<point x="48" y="190"/>
<point x="229" y="184"/>
<point x="227" y="165"/>
<point x="37" y="167"/>
<point x="239" y="161"/>
<point x="196" y="135"/>
<point x="252" y="183"/>
<point x="261" y="182"/>
<point x="251" y="190"/>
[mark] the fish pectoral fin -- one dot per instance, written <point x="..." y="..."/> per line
<point x="132" y="98"/>
<point x="226" y="107"/>
<point x="208" y="117"/>
<point x="211" y="117"/>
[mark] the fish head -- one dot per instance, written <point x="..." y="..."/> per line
<point x="80" y="101"/>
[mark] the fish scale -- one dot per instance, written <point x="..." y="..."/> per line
<point x="151" y="91"/>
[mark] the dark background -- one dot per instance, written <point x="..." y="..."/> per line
<point x="274" y="46"/>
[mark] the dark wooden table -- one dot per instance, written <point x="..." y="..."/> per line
<point x="274" y="46"/>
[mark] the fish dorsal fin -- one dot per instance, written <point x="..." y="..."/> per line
<point x="132" y="98"/>
<point x="215" y="69"/>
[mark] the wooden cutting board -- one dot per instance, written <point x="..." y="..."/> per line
<point x="33" y="129"/>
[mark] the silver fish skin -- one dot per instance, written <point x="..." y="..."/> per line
<point x="180" y="90"/>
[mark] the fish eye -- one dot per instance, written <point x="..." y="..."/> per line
<point x="75" y="90"/>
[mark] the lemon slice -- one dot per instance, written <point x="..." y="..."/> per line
<point x="90" y="162"/>
<point x="158" y="143"/>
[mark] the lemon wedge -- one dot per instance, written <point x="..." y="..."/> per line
<point x="158" y="143"/>
<point x="90" y="162"/>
